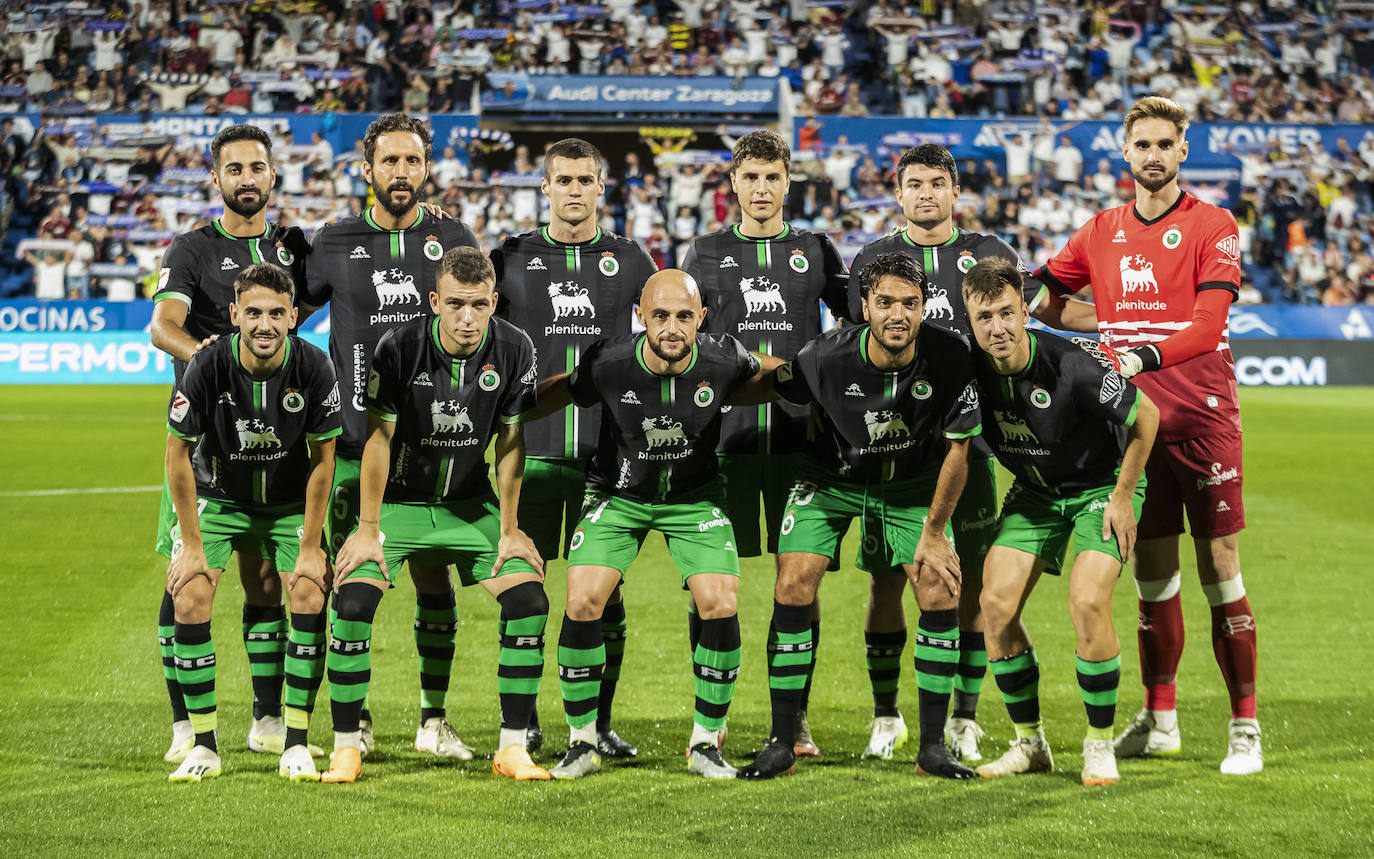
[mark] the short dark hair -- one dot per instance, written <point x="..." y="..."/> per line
<point x="929" y="155"/>
<point x="990" y="276"/>
<point x="762" y="145"/>
<point x="465" y="265"/>
<point x="571" y="147"/>
<point x="396" y="122"/>
<point x="236" y="133"/>
<point x="894" y="264"/>
<point x="266" y="275"/>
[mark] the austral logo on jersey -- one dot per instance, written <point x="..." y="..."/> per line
<point x="854" y="390"/>
<point x="762" y="295"/>
<point x="536" y="264"/>
<point x="728" y="262"/>
<point x="422" y="380"/>
<point x="228" y="265"/>
<point x="360" y="252"/>
<point x="254" y="434"/>
<point x="570" y="299"/>
<point x="939" y="307"/>
<point x="1119" y="238"/>
<point x="449" y="416"/>
<point x="663" y="432"/>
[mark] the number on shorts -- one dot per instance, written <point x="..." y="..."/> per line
<point x="340" y="502"/>
<point x="595" y="515"/>
<point x="801" y="493"/>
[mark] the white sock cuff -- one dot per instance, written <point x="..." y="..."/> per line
<point x="1159" y="590"/>
<point x="584" y="734"/>
<point x="511" y="737"/>
<point x="348" y="740"/>
<point x="701" y="735"/>
<point x="1222" y="593"/>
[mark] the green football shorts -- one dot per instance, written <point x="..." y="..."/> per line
<point x="345" y="500"/>
<point x="749" y="477"/>
<point x="463" y="533"/>
<point x="226" y="527"/>
<point x="551" y="502"/>
<point x="892" y="516"/>
<point x="1040" y="522"/>
<point x="701" y="538"/>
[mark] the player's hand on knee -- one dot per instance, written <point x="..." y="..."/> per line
<point x="186" y="566"/>
<point x="1119" y="519"/>
<point x="935" y="556"/>
<point x="357" y="550"/>
<point x="517" y="544"/>
<point x="310" y="567"/>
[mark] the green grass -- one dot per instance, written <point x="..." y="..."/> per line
<point x="83" y="710"/>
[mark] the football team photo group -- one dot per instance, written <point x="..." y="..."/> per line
<point x="936" y="417"/>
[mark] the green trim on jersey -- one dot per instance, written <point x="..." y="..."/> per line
<point x="181" y="435"/>
<point x="1130" y="416"/>
<point x="397" y="244"/>
<point x="570" y="413"/>
<point x="457" y="365"/>
<point x="324" y="436"/>
<point x="177" y="295"/>
<point x="639" y="357"/>
<point x="763" y="245"/>
<point x="381" y="415"/>
<point x="254" y="249"/>
<point x="929" y="259"/>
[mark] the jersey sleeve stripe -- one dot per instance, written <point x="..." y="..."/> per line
<point x="1219" y="284"/>
<point x="514" y="419"/>
<point x="386" y="416"/>
<point x="955" y="436"/>
<point x="325" y="436"/>
<point x="181" y="435"/>
<point x="1039" y="297"/>
<point x="177" y="295"/>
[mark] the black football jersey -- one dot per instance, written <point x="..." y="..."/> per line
<point x="447" y="409"/>
<point x="658" y="433"/>
<point x="199" y="268"/>
<point x="768" y="294"/>
<point x="252" y="433"/>
<point x="884" y="424"/>
<point x="373" y="280"/>
<point x="567" y="297"/>
<point x="1060" y="423"/>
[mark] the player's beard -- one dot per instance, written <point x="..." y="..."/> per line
<point x="1154" y="183"/>
<point x="245" y="209"/>
<point x="272" y="351"/>
<point x="685" y="346"/>
<point x="393" y="207"/>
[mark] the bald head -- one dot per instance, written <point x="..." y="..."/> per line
<point x="670" y="311"/>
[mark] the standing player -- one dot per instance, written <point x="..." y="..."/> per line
<point x="927" y="188"/>
<point x="425" y="492"/>
<point x="264" y="408"/>
<point x="195" y="289"/>
<point x="655" y="468"/>
<point x="569" y="285"/>
<point x="1075" y="436"/>
<point x="898" y="406"/>
<point x="1163" y="272"/>
<point x="763" y="282"/>
<point x="371" y="269"/>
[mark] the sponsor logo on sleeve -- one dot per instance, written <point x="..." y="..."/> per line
<point x="331" y="402"/>
<point x="180" y="406"/>
<point x="162" y="277"/>
<point x="1230" y="250"/>
<point x="1113" y="389"/>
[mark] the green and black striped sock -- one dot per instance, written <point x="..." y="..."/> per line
<point x="815" y="652"/>
<point x="1099" y="682"/>
<point x="937" y="658"/>
<point x="436" y="629"/>
<point x="524" y="614"/>
<point x="264" y="637"/>
<point x="883" y="651"/>
<point x="304" y="669"/>
<point x="716" y="665"/>
<point x="581" y="659"/>
<point x="1018" y="678"/>
<point x="968" y="682"/>
<point x="613" y="635"/>
<point x="349" y="662"/>
<point x="166" y="637"/>
<point x="195" y="660"/>
<point x="790" y="647"/>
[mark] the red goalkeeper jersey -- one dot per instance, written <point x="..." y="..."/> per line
<point x="1145" y="278"/>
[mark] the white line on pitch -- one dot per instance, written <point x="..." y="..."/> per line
<point x="105" y="490"/>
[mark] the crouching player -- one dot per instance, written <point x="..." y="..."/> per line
<point x="439" y="389"/>
<point x="265" y="407"/>
<point x="1075" y="436"/>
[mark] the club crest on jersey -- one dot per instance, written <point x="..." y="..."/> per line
<point x="728" y="261"/>
<point x="445" y="420"/>
<point x="1013" y="427"/>
<point x="921" y="389"/>
<point x="432" y="249"/>
<point x="489" y="379"/>
<point x="1173" y="237"/>
<point x="284" y="256"/>
<point x="1137" y="275"/>
<point x="761" y="294"/>
<point x="293" y="402"/>
<point x="799" y="262"/>
<point x="394" y="287"/>
<point x="663" y="432"/>
<point x="253" y="433"/>
<point x="938" y="307"/>
<point x="705" y="395"/>
<point x="885" y="424"/>
<point x="569" y="299"/>
<point x="965" y="261"/>
<point x="608" y="264"/>
<point x="1040" y="398"/>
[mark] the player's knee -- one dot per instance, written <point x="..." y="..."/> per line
<point x="999" y="610"/>
<point x="1087" y="610"/>
<point x="524" y="600"/>
<point x="795" y="586"/>
<point x="306" y="597"/>
<point x="357" y="601"/>
<point x="583" y="606"/>
<point x="719" y="605"/>
<point x="194" y="601"/>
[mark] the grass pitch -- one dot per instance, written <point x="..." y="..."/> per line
<point x="83" y="710"/>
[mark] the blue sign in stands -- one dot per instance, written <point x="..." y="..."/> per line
<point x="620" y="94"/>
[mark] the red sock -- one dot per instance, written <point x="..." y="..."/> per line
<point x="1161" y="646"/>
<point x="1237" y="651"/>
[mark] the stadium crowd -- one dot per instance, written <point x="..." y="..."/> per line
<point x="1305" y="217"/>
